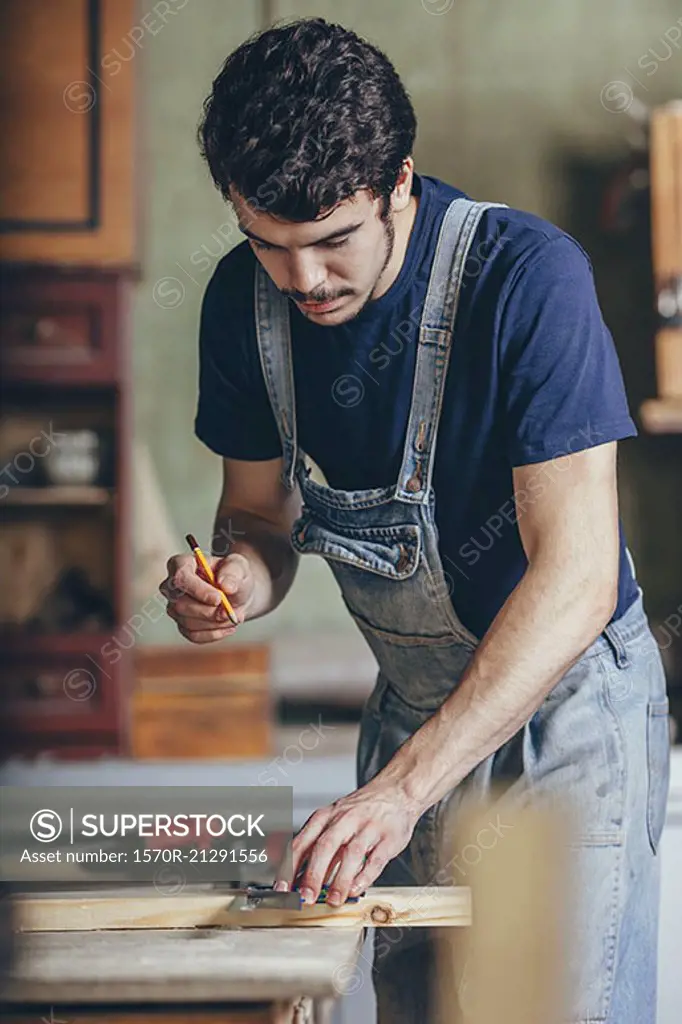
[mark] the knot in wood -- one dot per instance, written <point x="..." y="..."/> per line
<point x="381" y="914"/>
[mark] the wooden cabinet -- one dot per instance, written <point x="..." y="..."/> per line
<point x="202" y="704"/>
<point x="68" y="130"/>
<point x="68" y="252"/>
<point x="64" y="510"/>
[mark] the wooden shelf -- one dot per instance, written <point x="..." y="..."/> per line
<point x="662" y="415"/>
<point x="58" y="496"/>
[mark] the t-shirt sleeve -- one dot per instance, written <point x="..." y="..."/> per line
<point x="234" y="417"/>
<point x="561" y="382"/>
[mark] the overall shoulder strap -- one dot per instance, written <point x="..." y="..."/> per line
<point x="456" y="235"/>
<point x="274" y="347"/>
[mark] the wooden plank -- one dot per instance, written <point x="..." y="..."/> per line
<point x="666" y="190"/>
<point x="509" y="965"/>
<point x="275" y="1013"/>
<point x="200" y="705"/>
<point x="201" y="726"/>
<point x="238" y="665"/>
<point x="298" y="1011"/>
<point x="182" y="966"/>
<point x="668" y="349"/>
<point x="666" y="239"/>
<point x="416" y="907"/>
<point x="662" y="416"/>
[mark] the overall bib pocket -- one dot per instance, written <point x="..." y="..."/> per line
<point x="390" y="551"/>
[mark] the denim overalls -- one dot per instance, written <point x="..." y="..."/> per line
<point x="600" y="737"/>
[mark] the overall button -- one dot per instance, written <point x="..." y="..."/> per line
<point x="414" y="484"/>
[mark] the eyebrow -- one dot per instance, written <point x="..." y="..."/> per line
<point x="327" y="238"/>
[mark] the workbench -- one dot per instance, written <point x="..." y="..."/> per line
<point x="41" y="973"/>
<point x="114" y="950"/>
<point x="183" y="975"/>
<point x="185" y="959"/>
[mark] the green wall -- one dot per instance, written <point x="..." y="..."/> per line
<point x="514" y="105"/>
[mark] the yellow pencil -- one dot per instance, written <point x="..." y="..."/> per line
<point x="208" y="573"/>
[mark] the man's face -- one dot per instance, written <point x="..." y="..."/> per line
<point x="330" y="267"/>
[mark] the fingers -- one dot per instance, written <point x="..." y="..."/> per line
<point x="375" y="862"/>
<point x="206" y="636"/>
<point x="183" y="580"/>
<point x="345" y="847"/>
<point x="351" y="859"/>
<point x="233" y="575"/>
<point x="306" y="839"/>
<point x="194" y="615"/>
<point x="194" y="604"/>
<point x="303" y="841"/>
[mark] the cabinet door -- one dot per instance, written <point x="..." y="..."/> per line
<point x="66" y="121"/>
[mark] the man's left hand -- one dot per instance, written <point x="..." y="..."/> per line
<point x="361" y="833"/>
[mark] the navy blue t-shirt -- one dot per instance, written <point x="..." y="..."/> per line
<point x="533" y="374"/>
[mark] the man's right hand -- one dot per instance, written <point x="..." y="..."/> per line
<point x="196" y="606"/>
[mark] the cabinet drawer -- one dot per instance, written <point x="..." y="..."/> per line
<point x="56" y="328"/>
<point x="48" y="693"/>
<point x="55" y="337"/>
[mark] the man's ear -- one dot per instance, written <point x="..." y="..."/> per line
<point x="402" y="193"/>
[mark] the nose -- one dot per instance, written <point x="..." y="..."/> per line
<point x="306" y="276"/>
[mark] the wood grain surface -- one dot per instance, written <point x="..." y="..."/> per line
<point x="183" y="965"/>
<point x="387" y="907"/>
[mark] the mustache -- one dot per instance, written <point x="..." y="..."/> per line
<point x="315" y="296"/>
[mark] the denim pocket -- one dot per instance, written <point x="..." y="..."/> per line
<point x="391" y="551"/>
<point x="658" y="767"/>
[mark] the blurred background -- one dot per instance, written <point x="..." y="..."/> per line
<point x="110" y="231"/>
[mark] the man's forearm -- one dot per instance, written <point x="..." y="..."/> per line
<point x="271" y="558"/>
<point x="543" y="627"/>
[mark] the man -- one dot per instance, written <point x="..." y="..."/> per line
<point x="446" y="365"/>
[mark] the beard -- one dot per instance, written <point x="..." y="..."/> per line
<point x="390" y="243"/>
<point x="389" y="240"/>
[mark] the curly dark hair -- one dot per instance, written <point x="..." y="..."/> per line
<point x="303" y="115"/>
